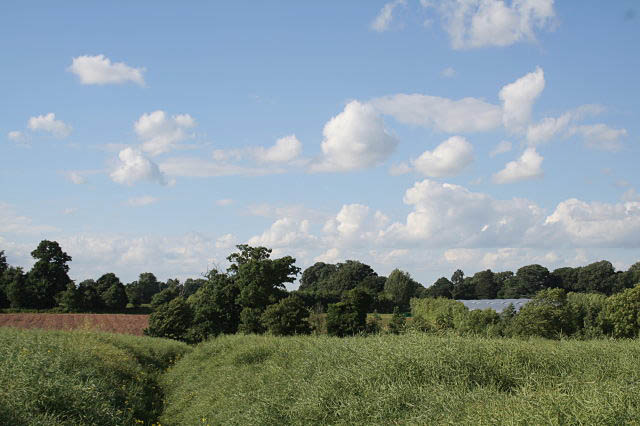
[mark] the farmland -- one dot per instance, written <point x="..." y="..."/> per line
<point x="114" y="323"/>
<point x="80" y="377"/>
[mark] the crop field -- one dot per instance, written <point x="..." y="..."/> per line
<point x="113" y="323"/>
<point x="81" y="377"/>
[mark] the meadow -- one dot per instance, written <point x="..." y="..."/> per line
<point x="80" y="377"/>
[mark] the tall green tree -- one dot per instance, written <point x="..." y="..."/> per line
<point x="401" y="288"/>
<point x="441" y="288"/>
<point x="485" y="284"/>
<point x="48" y="276"/>
<point x="287" y="317"/>
<point x="261" y="282"/>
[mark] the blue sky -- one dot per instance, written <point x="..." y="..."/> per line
<point x="423" y="135"/>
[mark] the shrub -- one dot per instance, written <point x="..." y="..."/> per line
<point x="546" y="315"/>
<point x="287" y="317"/>
<point x="437" y="314"/>
<point x="621" y="313"/>
<point x="172" y="320"/>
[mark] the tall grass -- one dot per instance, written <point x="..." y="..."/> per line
<point x="78" y="378"/>
<point x="407" y="379"/>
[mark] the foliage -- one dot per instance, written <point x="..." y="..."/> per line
<point x="437" y="314"/>
<point x="165" y="296"/>
<point x="287" y="317"/>
<point x="348" y="317"/>
<point x="397" y="323"/>
<point x="401" y="288"/>
<point x="172" y="320"/>
<point x="621" y="313"/>
<point x="48" y="276"/>
<point x="214" y="306"/>
<point x="546" y="315"/>
<point x="441" y="288"/>
<point x="315" y="274"/>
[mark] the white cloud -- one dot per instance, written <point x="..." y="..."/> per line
<point x="284" y="232"/>
<point x="600" y="136"/>
<point x="98" y="69"/>
<point x="450" y="215"/>
<point x="481" y="23"/>
<point x="549" y="127"/>
<point x="48" y="123"/>
<point x="226" y="241"/>
<point x="16" y="136"/>
<point x="70" y="210"/>
<point x="286" y="149"/>
<point x="446" y="115"/>
<point x="518" y="98"/>
<point x="144" y="200"/>
<point x="133" y="166"/>
<point x="501" y="148"/>
<point x="447" y="159"/>
<point x="528" y="166"/>
<point x="630" y="195"/>
<point x="399" y="169"/>
<point x="355" y="139"/>
<point x="12" y="222"/>
<point x="598" y="224"/>
<point x="383" y="20"/>
<point x="161" y="133"/>
<point x="448" y="72"/>
<point x="332" y="255"/>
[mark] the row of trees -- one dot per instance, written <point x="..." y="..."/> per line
<point x="552" y="313"/>
<point x="47" y="285"/>
<point x="599" y="277"/>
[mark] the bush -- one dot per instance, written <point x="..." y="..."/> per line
<point x="287" y="317"/>
<point x="397" y="323"/>
<point x="172" y="320"/>
<point x="621" y="313"/>
<point x="437" y="314"/>
<point x="546" y="315"/>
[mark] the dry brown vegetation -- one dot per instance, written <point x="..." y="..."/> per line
<point x="114" y="323"/>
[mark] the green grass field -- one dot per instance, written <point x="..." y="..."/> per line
<point x="81" y="378"/>
<point x="58" y="378"/>
<point x="409" y="379"/>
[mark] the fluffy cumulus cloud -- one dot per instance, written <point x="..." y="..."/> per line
<point x="383" y="20"/>
<point x="445" y="115"/>
<point x="286" y="149"/>
<point x="48" y="123"/>
<point x="451" y="215"/>
<point x="162" y="133"/>
<point x="355" y="139"/>
<point x="598" y="224"/>
<point x="285" y="232"/>
<point x="527" y="166"/>
<point x="482" y="23"/>
<point x="182" y="256"/>
<point x="100" y="70"/>
<point x="518" y="98"/>
<point x="133" y="167"/>
<point x="447" y="159"/>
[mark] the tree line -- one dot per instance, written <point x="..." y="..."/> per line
<point x="251" y="297"/>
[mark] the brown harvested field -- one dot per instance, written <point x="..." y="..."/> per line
<point x="114" y="323"/>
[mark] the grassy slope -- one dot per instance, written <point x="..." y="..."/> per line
<point x="414" y="378"/>
<point x="60" y="378"/>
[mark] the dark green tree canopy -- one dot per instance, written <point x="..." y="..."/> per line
<point x="48" y="276"/>
<point x="315" y="274"/>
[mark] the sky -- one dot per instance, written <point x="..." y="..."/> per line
<point x="423" y="135"/>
